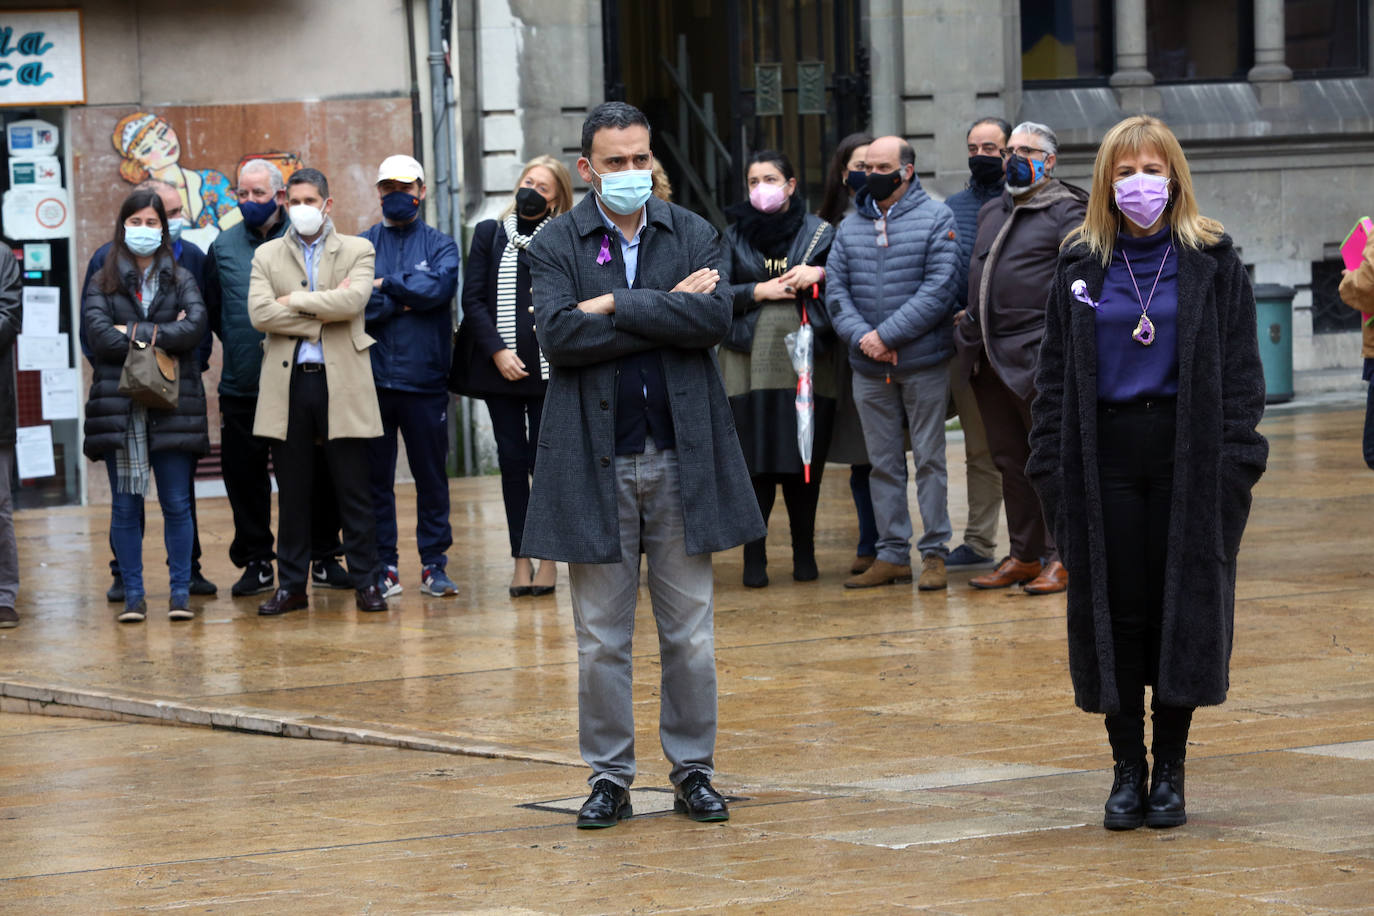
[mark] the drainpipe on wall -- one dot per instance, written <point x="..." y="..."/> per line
<point x="444" y="188"/>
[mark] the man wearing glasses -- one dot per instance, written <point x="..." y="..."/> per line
<point x="998" y="339"/>
<point x="892" y="273"/>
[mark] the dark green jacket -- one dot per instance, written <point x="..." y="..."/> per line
<point x="227" y="268"/>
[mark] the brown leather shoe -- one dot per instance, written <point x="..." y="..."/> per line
<point x="370" y="599"/>
<point x="933" y="575"/>
<point x="1010" y="572"/>
<point x="881" y="573"/>
<point x="1054" y="578"/>
<point x="860" y="564"/>
<point x="283" y="600"/>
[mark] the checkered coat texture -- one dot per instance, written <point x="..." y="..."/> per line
<point x="1218" y="457"/>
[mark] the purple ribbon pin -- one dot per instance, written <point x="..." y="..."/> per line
<point x="1079" y="288"/>
<point x="605" y="254"/>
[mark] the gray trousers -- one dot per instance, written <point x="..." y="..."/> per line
<point x="921" y="397"/>
<point x="984" y="480"/>
<point x="603" y="599"/>
<point x="9" y="554"/>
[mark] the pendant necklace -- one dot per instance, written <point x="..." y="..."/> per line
<point x="1144" y="332"/>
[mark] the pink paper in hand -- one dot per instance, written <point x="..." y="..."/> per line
<point x="1352" y="249"/>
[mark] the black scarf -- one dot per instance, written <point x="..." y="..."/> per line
<point x="770" y="234"/>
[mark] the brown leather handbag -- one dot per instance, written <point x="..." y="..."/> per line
<point x="150" y="373"/>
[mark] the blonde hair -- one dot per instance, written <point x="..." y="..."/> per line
<point x="1102" y="221"/>
<point x="662" y="187"/>
<point x="562" y="180"/>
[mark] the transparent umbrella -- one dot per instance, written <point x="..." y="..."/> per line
<point x="801" y="347"/>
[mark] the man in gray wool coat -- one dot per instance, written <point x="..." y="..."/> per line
<point x="637" y="451"/>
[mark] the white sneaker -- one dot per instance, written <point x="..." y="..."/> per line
<point x="391" y="583"/>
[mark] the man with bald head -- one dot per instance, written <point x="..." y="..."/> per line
<point x="891" y="280"/>
<point x="192" y="258"/>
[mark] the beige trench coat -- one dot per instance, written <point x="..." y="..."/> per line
<point x="329" y="314"/>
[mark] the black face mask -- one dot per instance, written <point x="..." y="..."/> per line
<point x="857" y="180"/>
<point x="530" y="204"/>
<point x="986" y="170"/>
<point x="882" y="185"/>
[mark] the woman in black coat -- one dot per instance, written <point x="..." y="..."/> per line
<point x="499" y="359"/>
<point x="139" y="293"/>
<point x="1144" y="451"/>
<point x="776" y="252"/>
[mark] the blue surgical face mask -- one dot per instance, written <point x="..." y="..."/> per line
<point x="256" y="214"/>
<point x="400" y="206"/>
<point x="143" y="240"/>
<point x="175" y="226"/>
<point x="625" y="192"/>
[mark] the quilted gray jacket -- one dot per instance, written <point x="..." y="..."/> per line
<point x="906" y="290"/>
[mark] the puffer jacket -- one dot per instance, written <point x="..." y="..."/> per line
<point x="182" y="429"/>
<point x="411" y="315"/>
<point x="966" y="205"/>
<point x="905" y="291"/>
<point x="227" y="270"/>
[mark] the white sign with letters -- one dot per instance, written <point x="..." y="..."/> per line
<point x="41" y="58"/>
<point x="33" y="452"/>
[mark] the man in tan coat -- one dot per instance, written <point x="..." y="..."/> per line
<point x="307" y="292"/>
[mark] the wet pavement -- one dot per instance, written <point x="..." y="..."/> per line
<point x="887" y="750"/>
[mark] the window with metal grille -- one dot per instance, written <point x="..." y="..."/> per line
<point x="1329" y="314"/>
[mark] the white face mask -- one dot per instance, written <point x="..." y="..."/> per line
<point x="305" y="219"/>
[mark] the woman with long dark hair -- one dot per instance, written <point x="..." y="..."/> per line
<point x="501" y="362"/>
<point x="141" y="294"/>
<point x="777" y="250"/>
<point x="843" y="180"/>
<point x="1144" y="450"/>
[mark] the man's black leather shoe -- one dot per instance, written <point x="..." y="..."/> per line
<point x="695" y="798"/>
<point x="370" y="599"/>
<point x="607" y="806"/>
<point x="1125" y="809"/>
<point x="1164" y="807"/>
<point x="283" y="600"/>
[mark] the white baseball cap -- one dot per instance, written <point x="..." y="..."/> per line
<point x="400" y="168"/>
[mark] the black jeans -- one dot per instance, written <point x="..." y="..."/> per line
<point x="515" y="424"/>
<point x="247" y="483"/>
<point x="801" y="499"/>
<point x="299" y="501"/>
<point x="1135" y="454"/>
<point x="1369" y="414"/>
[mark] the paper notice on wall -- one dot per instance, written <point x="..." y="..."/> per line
<point x="40" y="310"/>
<point x="61" y="390"/>
<point x="43" y="352"/>
<point x="33" y="452"/>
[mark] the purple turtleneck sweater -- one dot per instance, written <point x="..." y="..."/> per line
<point x="1127" y="370"/>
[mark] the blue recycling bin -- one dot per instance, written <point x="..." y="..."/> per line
<point x="1274" y="317"/>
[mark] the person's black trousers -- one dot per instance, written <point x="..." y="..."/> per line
<point x="515" y="424"/>
<point x="298" y="501"/>
<point x="1135" y="454"/>
<point x="247" y="483"/>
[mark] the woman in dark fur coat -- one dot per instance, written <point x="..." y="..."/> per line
<point x="1144" y="452"/>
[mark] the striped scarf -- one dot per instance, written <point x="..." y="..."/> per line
<point x="506" y="275"/>
<point x="133" y="471"/>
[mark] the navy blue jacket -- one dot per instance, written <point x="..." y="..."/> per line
<point x="188" y="257"/>
<point x="411" y="314"/>
<point x="966" y="205"/>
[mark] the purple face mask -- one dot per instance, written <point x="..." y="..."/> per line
<point x="767" y="198"/>
<point x="1142" y="197"/>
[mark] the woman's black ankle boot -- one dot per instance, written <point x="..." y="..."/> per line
<point x="1164" y="807"/>
<point x="1125" y="809"/>
<point x="755" y="564"/>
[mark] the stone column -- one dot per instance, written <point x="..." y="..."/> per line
<point x="1132" y="80"/>
<point x="1270" y="76"/>
<point x="1269" y="44"/>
